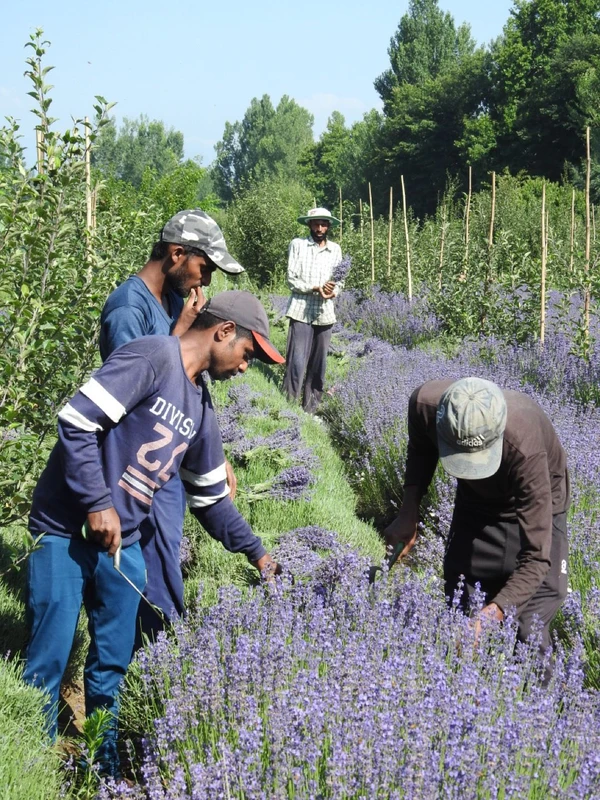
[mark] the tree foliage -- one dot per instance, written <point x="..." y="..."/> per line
<point x="425" y="46"/>
<point x="140" y="145"/>
<point x="260" y="224"/>
<point x="266" y="143"/>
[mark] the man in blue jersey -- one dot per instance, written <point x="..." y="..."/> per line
<point x="143" y="417"/>
<point x="190" y="248"/>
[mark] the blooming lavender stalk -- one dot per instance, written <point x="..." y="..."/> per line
<point x="341" y="270"/>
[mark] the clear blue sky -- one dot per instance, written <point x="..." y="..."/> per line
<point x="198" y="65"/>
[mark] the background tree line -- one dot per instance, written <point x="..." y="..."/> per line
<point x="519" y="105"/>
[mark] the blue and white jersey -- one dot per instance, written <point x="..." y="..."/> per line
<point x="136" y="423"/>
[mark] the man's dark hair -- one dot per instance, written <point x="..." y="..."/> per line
<point x="160" y="250"/>
<point x="206" y="320"/>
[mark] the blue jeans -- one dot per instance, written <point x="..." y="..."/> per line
<point x="63" y="574"/>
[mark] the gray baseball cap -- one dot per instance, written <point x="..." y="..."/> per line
<point x="196" y="228"/>
<point x="471" y="419"/>
<point x="246" y="310"/>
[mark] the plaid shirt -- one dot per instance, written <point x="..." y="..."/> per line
<point x="308" y="266"/>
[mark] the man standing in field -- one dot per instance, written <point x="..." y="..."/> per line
<point x="310" y="308"/>
<point x="142" y="418"/>
<point x="190" y="248"/>
<point x="509" y="530"/>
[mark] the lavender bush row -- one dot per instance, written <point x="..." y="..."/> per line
<point x="388" y="316"/>
<point x="367" y="418"/>
<point x="331" y="688"/>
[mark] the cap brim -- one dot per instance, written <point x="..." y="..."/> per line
<point x="223" y="260"/>
<point x="471" y="466"/>
<point x="333" y="221"/>
<point x="266" y="351"/>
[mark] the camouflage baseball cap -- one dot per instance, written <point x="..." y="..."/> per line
<point x="470" y="422"/>
<point x="196" y="228"/>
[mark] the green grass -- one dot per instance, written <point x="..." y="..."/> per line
<point x="332" y="504"/>
<point x="29" y="764"/>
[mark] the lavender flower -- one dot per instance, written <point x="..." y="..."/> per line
<point x="341" y="270"/>
<point x="291" y="484"/>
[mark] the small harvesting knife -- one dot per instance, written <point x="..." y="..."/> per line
<point x="391" y="560"/>
<point x="117" y="566"/>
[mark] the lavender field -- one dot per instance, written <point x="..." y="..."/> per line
<point x="326" y="687"/>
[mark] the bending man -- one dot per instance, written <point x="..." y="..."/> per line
<point x="509" y="529"/>
<point x="142" y="418"/>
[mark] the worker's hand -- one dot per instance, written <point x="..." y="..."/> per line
<point x="329" y="287"/>
<point x="267" y="567"/>
<point x="326" y="295"/>
<point x="487" y="613"/>
<point x="104" y="528"/>
<point x="403" y="530"/>
<point x="231" y="479"/>
<point x="190" y="311"/>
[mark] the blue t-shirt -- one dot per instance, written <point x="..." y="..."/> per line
<point x="136" y="423"/>
<point x="132" y="311"/>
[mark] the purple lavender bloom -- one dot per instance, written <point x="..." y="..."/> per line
<point x="291" y="484"/>
<point x="341" y="270"/>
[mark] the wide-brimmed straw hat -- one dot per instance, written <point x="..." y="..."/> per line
<point x="318" y="213"/>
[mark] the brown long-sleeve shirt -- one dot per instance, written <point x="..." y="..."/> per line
<point x="530" y="486"/>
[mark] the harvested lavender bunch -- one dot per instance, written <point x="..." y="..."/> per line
<point x="342" y="269"/>
<point x="291" y="484"/>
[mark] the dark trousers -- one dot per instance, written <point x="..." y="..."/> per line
<point x="485" y="560"/>
<point x="306" y="362"/>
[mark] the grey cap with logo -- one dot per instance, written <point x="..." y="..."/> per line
<point x="471" y="419"/>
<point x="196" y="228"/>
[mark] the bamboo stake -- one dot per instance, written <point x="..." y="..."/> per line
<point x="442" y="240"/>
<point x="341" y="217"/>
<point x="467" y="217"/>
<point x="390" y="224"/>
<point x="88" y="178"/>
<point x="587" y="235"/>
<point x="408" y="270"/>
<point x="94" y="202"/>
<point x="593" y="224"/>
<point x="572" y="258"/>
<point x="360" y="211"/>
<point x="372" y="236"/>
<point x="544" y="257"/>
<point x="493" y="213"/>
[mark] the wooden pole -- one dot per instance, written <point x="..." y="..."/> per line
<point x="572" y="258"/>
<point x="408" y="270"/>
<point x="372" y="235"/>
<point x="341" y="216"/>
<point x="467" y="217"/>
<point x="442" y="240"/>
<point x="544" y="257"/>
<point x="94" y="202"/>
<point x="493" y="212"/>
<point x="587" y="234"/>
<point x="390" y="225"/>
<point x="88" y="178"/>
<point x="362" y="231"/>
<point x="593" y="224"/>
